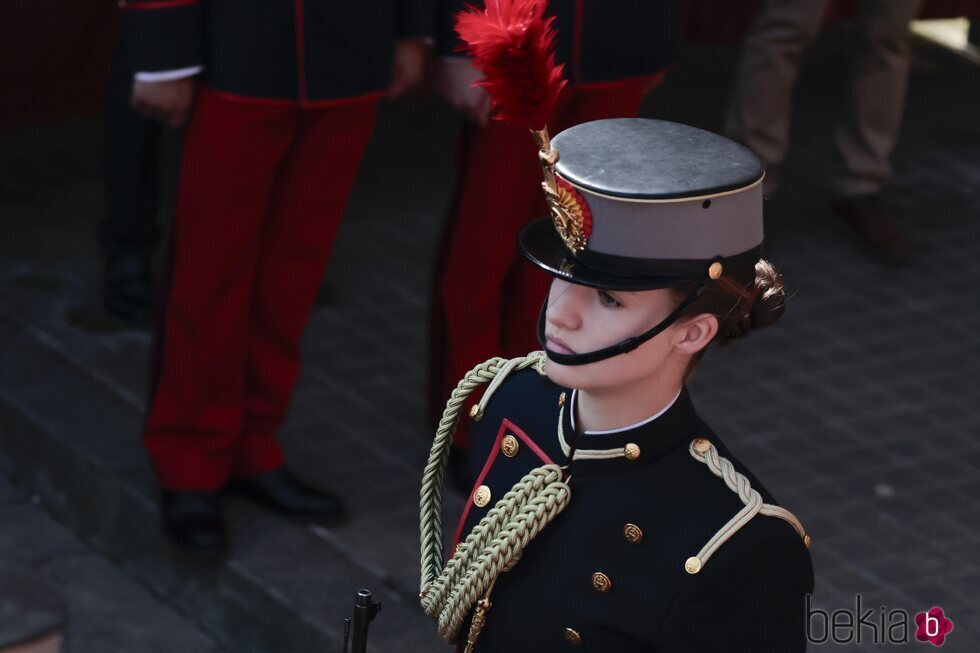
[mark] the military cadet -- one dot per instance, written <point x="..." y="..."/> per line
<point x="285" y="97"/>
<point x="605" y="514"/>
<point x="614" y="52"/>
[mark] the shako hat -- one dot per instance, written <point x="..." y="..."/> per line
<point x="644" y="204"/>
<point x="635" y="204"/>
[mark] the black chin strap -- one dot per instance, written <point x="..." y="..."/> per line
<point x="623" y="347"/>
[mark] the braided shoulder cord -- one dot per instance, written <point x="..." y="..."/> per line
<point x="706" y="452"/>
<point x="477" y="540"/>
<point x="498" y="540"/>
<point x="430" y="500"/>
<point x="525" y="518"/>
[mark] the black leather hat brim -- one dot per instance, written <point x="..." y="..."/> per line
<point x="542" y="246"/>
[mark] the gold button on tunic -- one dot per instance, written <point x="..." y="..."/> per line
<point x="693" y="565"/>
<point x="482" y="496"/>
<point x="601" y="582"/>
<point x="573" y="636"/>
<point x="632" y="533"/>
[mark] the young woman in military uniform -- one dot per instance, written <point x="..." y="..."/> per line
<point x="605" y="514"/>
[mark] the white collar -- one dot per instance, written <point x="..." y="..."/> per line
<point x="625" y="428"/>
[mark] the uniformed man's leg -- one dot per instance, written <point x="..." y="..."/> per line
<point x="231" y="155"/>
<point x="310" y="200"/>
<point x="129" y="231"/>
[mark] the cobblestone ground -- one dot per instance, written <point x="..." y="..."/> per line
<point x="109" y="611"/>
<point x="859" y="409"/>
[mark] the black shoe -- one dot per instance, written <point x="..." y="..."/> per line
<point x="284" y="493"/>
<point x="128" y="290"/>
<point x="875" y="229"/>
<point x="193" y="519"/>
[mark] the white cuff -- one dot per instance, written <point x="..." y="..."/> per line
<point x="169" y="75"/>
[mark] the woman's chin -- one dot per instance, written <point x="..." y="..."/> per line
<point x="568" y="376"/>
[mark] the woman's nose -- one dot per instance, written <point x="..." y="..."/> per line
<point x="564" y="305"/>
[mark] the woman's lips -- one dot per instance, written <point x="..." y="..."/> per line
<point x="558" y="347"/>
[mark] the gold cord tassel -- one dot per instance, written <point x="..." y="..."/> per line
<point x="479" y="620"/>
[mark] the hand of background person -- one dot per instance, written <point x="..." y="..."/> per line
<point x="169" y="101"/>
<point x="455" y="78"/>
<point x="410" y="58"/>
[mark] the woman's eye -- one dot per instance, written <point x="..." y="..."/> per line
<point x="608" y="300"/>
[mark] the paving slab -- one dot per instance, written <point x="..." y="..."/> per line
<point x="108" y="611"/>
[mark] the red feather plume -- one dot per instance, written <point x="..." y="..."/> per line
<point x="512" y="43"/>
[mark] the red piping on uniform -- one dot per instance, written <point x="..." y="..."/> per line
<point x="505" y="427"/>
<point x="577" y="41"/>
<point x="289" y="102"/>
<point x="159" y="4"/>
<point x="300" y="52"/>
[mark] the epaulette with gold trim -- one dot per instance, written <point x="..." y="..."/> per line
<point x="702" y="450"/>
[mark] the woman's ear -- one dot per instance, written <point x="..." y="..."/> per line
<point x="694" y="334"/>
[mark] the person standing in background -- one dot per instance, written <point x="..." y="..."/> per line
<point x="614" y="52"/>
<point x="761" y="105"/>
<point x="281" y="99"/>
<point x="129" y="230"/>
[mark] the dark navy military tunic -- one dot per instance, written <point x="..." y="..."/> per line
<point x="597" y="40"/>
<point x="749" y="596"/>
<point x="295" y="51"/>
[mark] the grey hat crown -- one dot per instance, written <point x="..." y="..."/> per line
<point x="653" y="159"/>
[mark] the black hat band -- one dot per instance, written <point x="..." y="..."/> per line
<point x="681" y="270"/>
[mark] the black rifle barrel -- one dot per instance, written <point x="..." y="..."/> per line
<point x="365" y="610"/>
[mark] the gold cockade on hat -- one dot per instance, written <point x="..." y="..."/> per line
<point x="570" y="213"/>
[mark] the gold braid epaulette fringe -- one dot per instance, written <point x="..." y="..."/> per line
<point x="449" y="592"/>
<point x="702" y="450"/>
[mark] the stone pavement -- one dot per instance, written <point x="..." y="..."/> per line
<point x="110" y="612"/>
<point x="857" y="409"/>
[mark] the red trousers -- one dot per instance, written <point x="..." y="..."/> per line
<point x="261" y="194"/>
<point x="486" y="296"/>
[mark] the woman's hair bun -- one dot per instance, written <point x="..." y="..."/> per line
<point x="741" y="303"/>
<point x="770" y="296"/>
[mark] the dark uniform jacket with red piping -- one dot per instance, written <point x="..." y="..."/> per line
<point x="288" y="50"/>
<point x="749" y="597"/>
<point x="598" y="40"/>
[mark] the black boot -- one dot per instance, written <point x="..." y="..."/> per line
<point x="193" y="519"/>
<point x="286" y="494"/>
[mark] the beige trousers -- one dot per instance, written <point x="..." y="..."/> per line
<point x="761" y="104"/>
